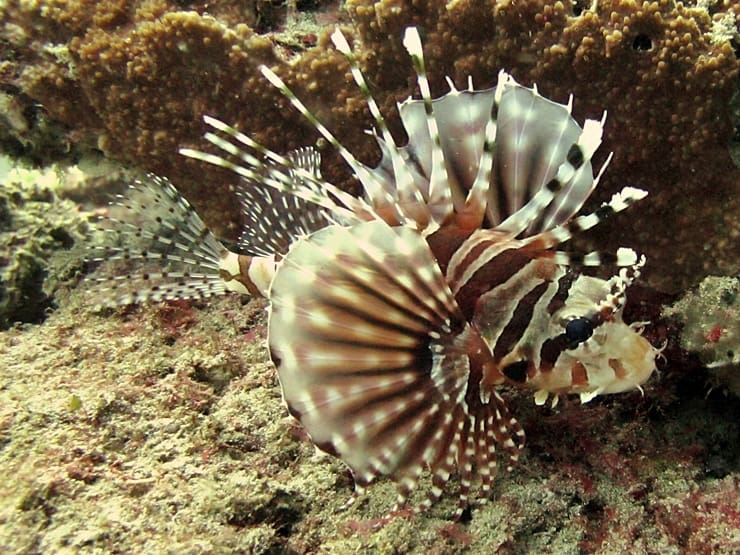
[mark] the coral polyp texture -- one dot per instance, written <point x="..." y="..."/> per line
<point x="136" y="77"/>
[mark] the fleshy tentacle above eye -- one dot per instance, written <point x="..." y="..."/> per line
<point x="378" y="364"/>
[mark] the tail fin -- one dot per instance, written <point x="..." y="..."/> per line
<point x="158" y="246"/>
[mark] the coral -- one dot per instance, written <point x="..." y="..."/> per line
<point x="735" y="145"/>
<point x="663" y="78"/>
<point x="710" y="316"/>
<point x="27" y="131"/>
<point x="160" y="428"/>
<point x="137" y="76"/>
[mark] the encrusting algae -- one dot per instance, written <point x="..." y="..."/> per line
<point x="37" y="231"/>
<point x="710" y="319"/>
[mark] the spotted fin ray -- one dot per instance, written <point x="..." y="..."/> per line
<point x="271" y="219"/>
<point x="158" y="248"/>
<point x="396" y="317"/>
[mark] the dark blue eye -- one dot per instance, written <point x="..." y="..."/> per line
<point x="578" y="330"/>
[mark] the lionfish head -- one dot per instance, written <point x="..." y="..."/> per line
<point x="589" y="350"/>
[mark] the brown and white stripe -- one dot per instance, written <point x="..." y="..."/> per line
<point x="391" y="337"/>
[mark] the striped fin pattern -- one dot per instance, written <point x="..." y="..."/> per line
<point x="476" y="157"/>
<point x="451" y="169"/>
<point x="377" y="362"/>
<point x="396" y="318"/>
<point x="164" y="251"/>
<point x="272" y="220"/>
<point x="159" y="249"/>
<point x="240" y="155"/>
<point x="392" y="336"/>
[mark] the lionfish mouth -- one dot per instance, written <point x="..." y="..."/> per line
<point x="396" y="317"/>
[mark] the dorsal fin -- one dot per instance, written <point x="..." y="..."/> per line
<point x="271" y="219"/>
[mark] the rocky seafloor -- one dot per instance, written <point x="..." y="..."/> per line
<point x="160" y="429"/>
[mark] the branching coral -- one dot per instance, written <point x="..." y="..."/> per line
<point x="138" y="76"/>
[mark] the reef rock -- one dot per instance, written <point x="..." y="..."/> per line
<point x="136" y="77"/>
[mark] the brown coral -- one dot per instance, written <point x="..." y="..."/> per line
<point x="142" y="74"/>
<point x="152" y="85"/>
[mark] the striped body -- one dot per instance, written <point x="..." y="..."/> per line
<point x="395" y="317"/>
<point x="521" y="298"/>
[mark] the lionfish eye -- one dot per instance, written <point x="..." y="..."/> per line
<point x="516" y="371"/>
<point x="577" y="331"/>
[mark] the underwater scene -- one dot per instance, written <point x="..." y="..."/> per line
<point x="392" y="276"/>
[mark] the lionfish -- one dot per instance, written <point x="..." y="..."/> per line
<point x="395" y="318"/>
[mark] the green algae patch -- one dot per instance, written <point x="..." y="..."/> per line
<point x="37" y="228"/>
